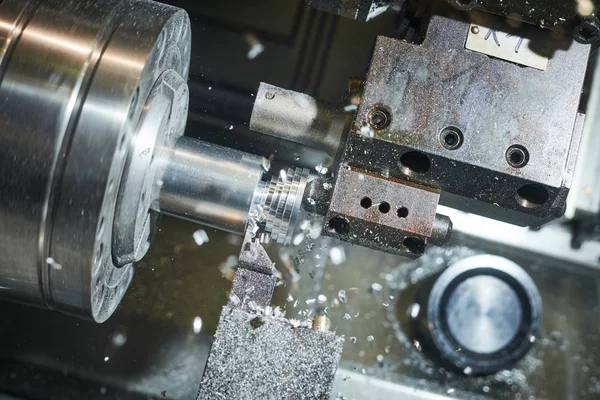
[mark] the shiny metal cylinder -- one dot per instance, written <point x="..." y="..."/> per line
<point x="74" y="80"/>
<point x="442" y="230"/>
<point x="277" y="203"/>
<point x="209" y="184"/>
<point x="321" y="323"/>
<point x="298" y="118"/>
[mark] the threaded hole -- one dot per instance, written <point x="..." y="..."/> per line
<point x="366" y="202"/>
<point x="384" y="207"/>
<point x="517" y="156"/>
<point x="379" y="118"/>
<point x="451" y="138"/>
<point x="402" y="212"/>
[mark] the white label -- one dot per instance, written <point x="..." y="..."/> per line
<point x="504" y="45"/>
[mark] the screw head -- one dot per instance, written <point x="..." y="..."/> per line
<point x="517" y="156"/>
<point x="475" y="30"/>
<point x="379" y="118"/>
<point x="451" y="138"/>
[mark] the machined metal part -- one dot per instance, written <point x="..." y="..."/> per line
<point x="299" y="118"/>
<point x="487" y="306"/>
<point x="254" y="280"/>
<point x="76" y="79"/>
<point x="104" y="153"/>
<point x="385" y="214"/>
<point x="442" y="230"/>
<point x="209" y="184"/>
<point x="257" y="354"/>
<point x="277" y="203"/>
<point x="161" y="124"/>
<point x="502" y="168"/>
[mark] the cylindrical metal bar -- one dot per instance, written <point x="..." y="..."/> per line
<point x="442" y="230"/>
<point x="209" y="184"/>
<point x="298" y="118"/>
<point x="321" y="323"/>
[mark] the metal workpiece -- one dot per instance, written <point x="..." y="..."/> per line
<point x="385" y="214"/>
<point x="487" y="306"/>
<point x="222" y="188"/>
<point x="75" y="86"/>
<point x="299" y="118"/>
<point x="497" y="138"/>
<point x="276" y="205"/>
<point x="209" y="184"/>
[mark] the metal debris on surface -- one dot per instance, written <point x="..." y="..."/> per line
<point x="256" y="47"/>
<point x="197" y="325"/>
<point x="337" y="255"/>
<point x="254" y="343"/>
<point x="119" y="339"/>
<point x="200" y="237"/>
<point x="50" y="261"/>
<point x="321" y="169"/>
<point x="288" y="360"/>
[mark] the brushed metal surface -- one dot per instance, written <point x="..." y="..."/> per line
<point x="74" y="78"/>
